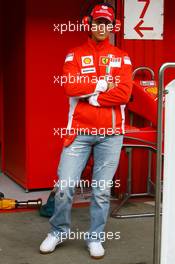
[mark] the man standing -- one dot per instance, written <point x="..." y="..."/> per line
<point x="97" y="100"/>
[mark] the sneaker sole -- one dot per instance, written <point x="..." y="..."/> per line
<point x="95" y="257"/>
<point x="46" y="252"/>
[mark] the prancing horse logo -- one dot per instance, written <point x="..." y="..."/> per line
<point x="104" y="61"/>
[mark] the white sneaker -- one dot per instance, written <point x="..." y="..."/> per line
<point x="49" y="243"/>
<point x="96" y="250"/>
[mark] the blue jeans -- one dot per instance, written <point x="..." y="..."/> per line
<point x="106" y="153"/>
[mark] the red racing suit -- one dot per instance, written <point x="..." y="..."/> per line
<point x="84" y="66"/>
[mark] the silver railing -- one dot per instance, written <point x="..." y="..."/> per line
<point x="143" y="68"/>
<point x="157" y="219"/>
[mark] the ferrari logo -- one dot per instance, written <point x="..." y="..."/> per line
<point x="104" y="61"/>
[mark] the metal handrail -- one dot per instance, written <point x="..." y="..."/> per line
<point x="157" y="219"/>
<point x="140" y="140"/>
<point x="142" y="68"/>
<point x="139" y="146"/>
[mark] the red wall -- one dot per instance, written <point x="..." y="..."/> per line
<point x="46" y="102"/>
<point x="1" y="87"/>
<point x="13" y="45"/>
<point x="152" y="53"/>
<point x="33" y="104"/>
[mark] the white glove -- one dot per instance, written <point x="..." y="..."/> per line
<point x="101" y="86"/>
<point x="93" y="100"/>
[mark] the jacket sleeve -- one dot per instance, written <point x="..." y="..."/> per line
<point x="121" y="93"/>
<point x="73" y="85"/>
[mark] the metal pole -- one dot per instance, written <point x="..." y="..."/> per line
<point x="144" y="69"/>
<point x="157" y="219"/>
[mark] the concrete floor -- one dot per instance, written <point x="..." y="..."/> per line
<point x="21" y="234"/>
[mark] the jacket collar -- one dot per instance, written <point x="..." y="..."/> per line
<point x="98" y="45"/>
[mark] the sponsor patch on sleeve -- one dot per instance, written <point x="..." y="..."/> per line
<point x="127" y="60"/>
<point x="69" y="57"/>
<point x="88" y="70"/>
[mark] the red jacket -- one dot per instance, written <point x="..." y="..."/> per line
<point x="83" y="67"/>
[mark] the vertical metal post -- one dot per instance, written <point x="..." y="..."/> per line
<point x="148" y="189"/>
<point x="157" y="219"/>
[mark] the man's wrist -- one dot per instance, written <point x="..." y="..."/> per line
<point x="93" y="100"/>
<point x="101" y="86"/>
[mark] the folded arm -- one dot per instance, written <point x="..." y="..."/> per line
<point x="120" y="93"/>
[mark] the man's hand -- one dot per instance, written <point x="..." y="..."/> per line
<point x="101" y="86"/>
<point x="93" y="98"/>
<point x="110" y="86"/>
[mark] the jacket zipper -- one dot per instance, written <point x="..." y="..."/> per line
<point x="113" y="108"/>
<point x="98" y="75"/>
